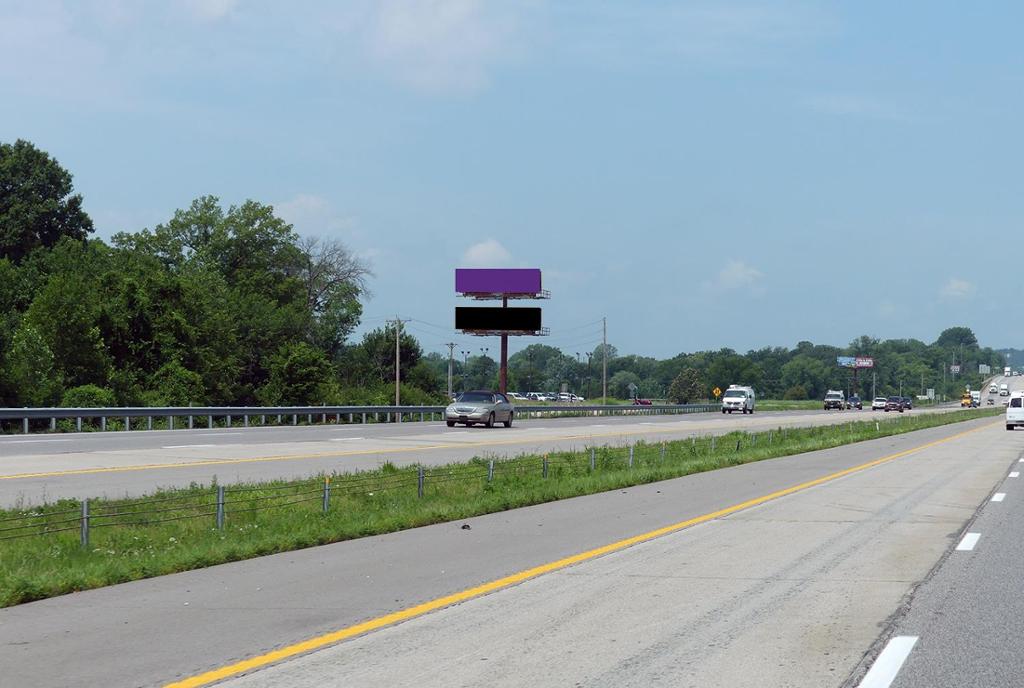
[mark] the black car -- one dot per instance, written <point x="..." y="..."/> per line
<point x="907" y="403"/>
<point x="854" y="402"/>
<point x="894" y="404"/>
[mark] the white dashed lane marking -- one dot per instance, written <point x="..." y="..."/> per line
<point x="968" y="542"/>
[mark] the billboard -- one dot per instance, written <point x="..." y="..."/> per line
<point x="855" y="362"/>
<point x="498" y="319"/>
<point x="497" y="281"/>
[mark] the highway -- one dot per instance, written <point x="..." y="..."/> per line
<point x="117" y="464"/>
<point x="714" y="579"/>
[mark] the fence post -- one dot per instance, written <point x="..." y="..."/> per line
<point x="85" y="524"/>
<point x="544" y="466"/>
<point x="769" y="437"/>
<point x="220" y="507"/>
<point x="631" y="456"/>
<point x="592" y="463"/>
<point x="419" y="482"/>
<point x="170" y="422"/>
<point x="737" y="444"/>
<point x="490" y="470"/>
<point x="78" y="424"/>
<point x="24" y="425"/>
<point x="663" y="452"/>
<point x="327" y="493"/>
<point x="712" y="443"/>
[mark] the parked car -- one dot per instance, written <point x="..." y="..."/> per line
<point x="854" y="402"/>
<point x="516" y="396"/>
<point x="637" y="401"/>
<point x="894" y="404"/>
<point x="878" y="404"/>
<point x="480" y="406"/>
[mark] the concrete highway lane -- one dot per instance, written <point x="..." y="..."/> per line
<point x="776" y="573"/>
<point x="37" y="468"/>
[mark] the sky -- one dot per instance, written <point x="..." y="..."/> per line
<point x="702" y="174"/>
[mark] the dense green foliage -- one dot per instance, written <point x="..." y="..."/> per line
<point x="231" y="306"/>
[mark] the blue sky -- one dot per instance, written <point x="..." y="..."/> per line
<point x="704" y="174"/>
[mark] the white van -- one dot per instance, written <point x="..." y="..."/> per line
<point x="1015" y="411"/>
<point x="1004" y="390"/>
<point x="738" y="398"/>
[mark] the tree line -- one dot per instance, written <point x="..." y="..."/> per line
<point x="231" y="306"/>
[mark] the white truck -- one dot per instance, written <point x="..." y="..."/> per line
<point x="738" y="398"/>
<point x="834" y="399"/>
<point x="1015" y="411"/>
<point x="975" y="398"/>
<point x="1007" y="371"/>
<point x="1004" y="390"/>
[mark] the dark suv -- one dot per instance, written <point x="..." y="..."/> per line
<point x="894" y="404"/>
<point x="908" y="403"/>
<point x="854" y="402"/>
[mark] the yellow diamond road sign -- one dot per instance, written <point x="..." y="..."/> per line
<point x="717" y="392"/>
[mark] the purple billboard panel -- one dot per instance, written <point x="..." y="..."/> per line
<point x="497" y="281"/>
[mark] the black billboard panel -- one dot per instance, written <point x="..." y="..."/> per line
<point x="497" y="319"/>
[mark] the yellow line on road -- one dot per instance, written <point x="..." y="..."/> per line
<point x="322" y="641"/>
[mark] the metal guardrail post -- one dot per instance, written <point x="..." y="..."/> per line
<point x="170" y="422"/>
<point x="245" y="420"/>
<point x="24" y="425"/>
<point x="209" y="422"/>
<point x="327" y="493"/>
<point x="295" y="419"/>
<point x="490" y="470"/>
<point x="103" y="423"/>
<point x="78" y="423"/>
<point x="631" y="456"/>
<point x="127" y="423"/>
<point x="419" y="482"/>
<point x="229" y="420"/>
<point x="53" y="424"/>
<point x="592" y="460"/>
<point x="84" y="535"/>
<point x="220" y="507"/>
<point x="191" y="422"/>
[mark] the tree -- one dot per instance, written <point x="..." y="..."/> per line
<point x="175" y="385"/>
<point x="299" y="375"/>
<point x="687" y="387"/>
<point x="618" y="385"/>
<point x="954" y="337"/>
<point x="379" y="346"/>
<point x="29" y="369"/>
<point x="334" y="281"/>
<point x="37" y="207"/>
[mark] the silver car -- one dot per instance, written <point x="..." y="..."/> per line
<point x="480" y="407"/>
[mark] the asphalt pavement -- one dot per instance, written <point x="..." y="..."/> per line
<point x="788" y="592"/>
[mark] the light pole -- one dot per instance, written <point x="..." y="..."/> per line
<point x="465" y="367"/>
<point x="589" y="354"/>
<point x="579" y="365"/>
<point x="483" y="352"/>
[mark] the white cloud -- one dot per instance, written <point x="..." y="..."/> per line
<point x="210" y="10"/>
<point x="438" y="45"/>
<point x="735" y="275"/>
<point x="487" y="254"/>
<point x="957" y="289"/>
<point x="313" y="214"/>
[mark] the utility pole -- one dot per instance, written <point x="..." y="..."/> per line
<point x="398" y="336"/>
<point x="604" y="362"/>
<point x="451" y="356"/>
<point x="873" y="386"/>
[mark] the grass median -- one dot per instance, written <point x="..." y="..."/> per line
<point x="42" y="553"/>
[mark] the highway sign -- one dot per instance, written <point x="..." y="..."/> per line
<point x="717" y="392"/>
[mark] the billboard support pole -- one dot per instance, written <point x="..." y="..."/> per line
<point x="503" y="370"/>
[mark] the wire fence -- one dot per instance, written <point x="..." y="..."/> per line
<point x="219" y="503"/>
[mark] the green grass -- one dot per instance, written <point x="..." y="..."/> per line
<point x="130" y="539"/>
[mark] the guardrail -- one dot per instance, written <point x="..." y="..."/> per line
<point x="142" y="417"/>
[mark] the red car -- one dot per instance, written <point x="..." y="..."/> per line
<point x="641" y="402"/>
